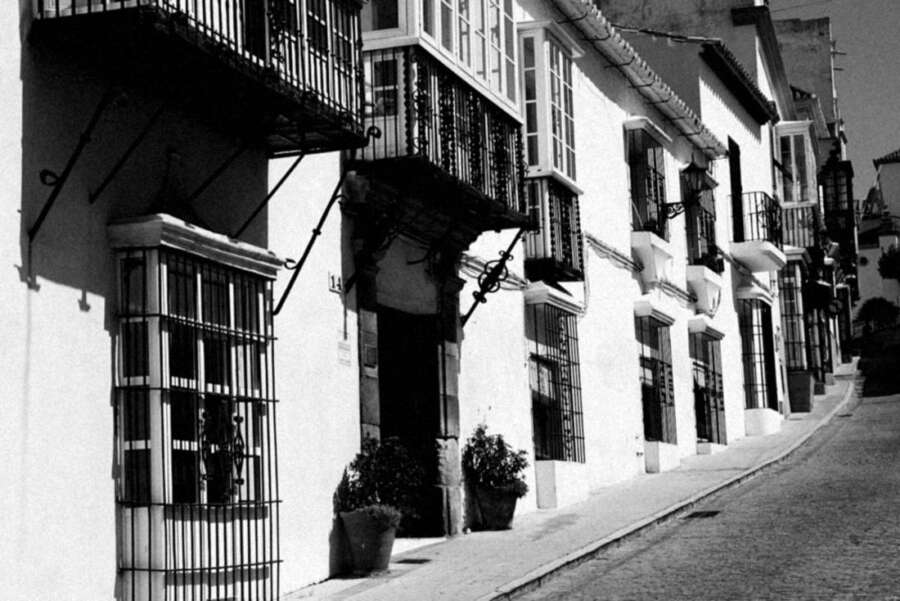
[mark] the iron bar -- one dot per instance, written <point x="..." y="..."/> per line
<point x="269" y="196"/>
<point x="58" y="181"/>
<point x="315" y="234"/>
<point x="93" y="196"/>
<point x="218" y="171"/>
<point x="495" y="272"/>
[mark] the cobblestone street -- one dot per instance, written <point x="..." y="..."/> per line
<point x="823" y="525"/>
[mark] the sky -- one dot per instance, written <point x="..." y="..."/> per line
<point x="868" y="86"/>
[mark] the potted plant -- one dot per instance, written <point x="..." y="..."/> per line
<point x="377" y="489"/>
<point x="494" y="473"/>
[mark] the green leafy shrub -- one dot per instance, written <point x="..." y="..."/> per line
<point x="382" y="474"/>
<point x="491" y="462"/>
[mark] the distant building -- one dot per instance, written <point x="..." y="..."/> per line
<point x="879" y="230"/>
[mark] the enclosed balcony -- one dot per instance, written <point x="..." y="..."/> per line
<point x="288" y="70"/>
<point x="554" y="251"/>
<point x="802" y="224"/>
<point x="758" y="238"/>
<point x="440" y="144"/>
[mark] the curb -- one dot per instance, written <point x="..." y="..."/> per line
<point x="537" y="577"/>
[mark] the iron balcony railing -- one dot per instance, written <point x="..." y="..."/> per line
<point x="762" y="219"/>
<point x="801" y="225"/>
<point x="308" y="50"/>
<point x="423" y="111"/>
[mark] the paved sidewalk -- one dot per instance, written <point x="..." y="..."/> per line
<point x="486" y="566"/>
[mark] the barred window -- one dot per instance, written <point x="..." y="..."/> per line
<point x="709" y="397"/>
<point x="657" y="387"/>
<point x="755" y="321"/>
<point x="646" y="164"/>
<point x="555" y="379"/>
<point x="195" y="428"/>
<point x="789" y="285"/>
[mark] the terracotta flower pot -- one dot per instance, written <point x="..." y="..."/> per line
<point x="496" y="506"/>
<point x="370" y="542"/>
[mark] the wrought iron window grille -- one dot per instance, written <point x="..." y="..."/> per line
<point x="657" y="382"/>
<point x="555" y="379"/>
<point x="648" y="183"/>
<point x="709" y="396"/>
<point x="758" y="345"/>
<point x="197" y="489"/>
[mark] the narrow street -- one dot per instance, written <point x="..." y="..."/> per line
<point x="823" y="525"/>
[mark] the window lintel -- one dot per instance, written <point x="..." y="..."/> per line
<point x="539" y="293"/>
<point x="648" y="125"/>
<point x="160" y="229"/>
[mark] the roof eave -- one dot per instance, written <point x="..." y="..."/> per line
<point x="603" y="37"/>
<point x="725" y="65"/>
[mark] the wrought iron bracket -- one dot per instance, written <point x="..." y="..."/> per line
<point x="492" y="276"/>
<point x="316" y="232"/>
<point x="269" y="196"/>
<point x="674" y="209"/>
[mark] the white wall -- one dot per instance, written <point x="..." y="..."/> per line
<point x="317" y="370"/>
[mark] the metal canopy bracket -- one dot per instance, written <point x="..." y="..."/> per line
<point x="309" y="245"/>
<point x="494" y="274"/>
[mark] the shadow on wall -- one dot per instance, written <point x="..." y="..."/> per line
<point x="138" y="144"/>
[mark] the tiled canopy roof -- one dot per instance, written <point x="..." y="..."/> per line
<point x="892" y="157"/>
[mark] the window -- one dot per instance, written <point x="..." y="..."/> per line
<point x="646" y="164"/>
<point x="555" y="380"/>
<point x="380" y="14"/>
<point x="480" y="36"/>
<point x="331" y="32"/>
<point x="737" y="190"/>
<point x="548" y="101"/>
<point x="789" y="285"/>
<point x="195" y="419"/>
<point x="709" y="398"/>
<point x="657" y="387"/>
<point x="755" y="321"/>
<point x="555" y="250"/>
<point x="204" y="362"/>
<point x="836" y="187"/>
<point x="792" y="168"/>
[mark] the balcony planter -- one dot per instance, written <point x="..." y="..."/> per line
<point x="494" y="474"/>
<point x="654" y="253"/>
<point x="706" y="285"/>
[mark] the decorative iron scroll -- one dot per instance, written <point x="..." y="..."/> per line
<point x="495" y="273"/>
<point x="222" y="449"/>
